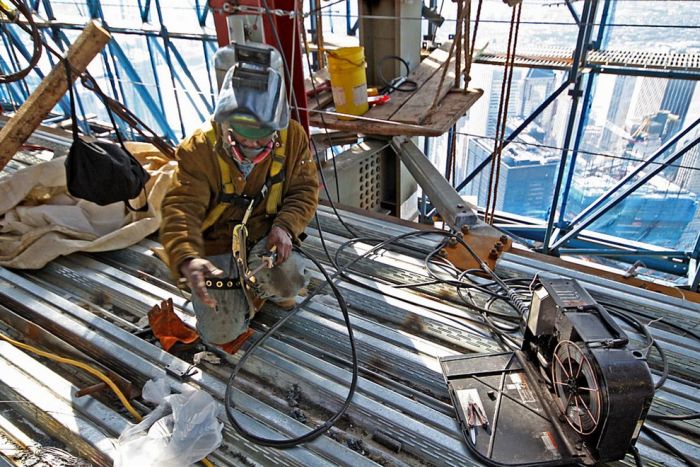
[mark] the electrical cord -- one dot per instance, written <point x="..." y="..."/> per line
<point x="229" y="405"/>
<point x="32" y="30"/>
<point x="83" y="366"/>
<point x="511" y="297"/>
<point x="495" y="328"/>
<point x="404" y="84"/>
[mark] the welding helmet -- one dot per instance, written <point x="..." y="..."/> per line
<point x="253" y="97"/>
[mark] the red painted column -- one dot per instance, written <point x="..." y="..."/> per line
<point x="286" y="45"/>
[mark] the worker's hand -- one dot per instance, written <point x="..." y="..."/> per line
<point x="280" y="238"/>
<point x="194" y="270"/>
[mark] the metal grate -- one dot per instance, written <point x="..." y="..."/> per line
<point x="562" y="58"/>
<point x="370" y="194"/>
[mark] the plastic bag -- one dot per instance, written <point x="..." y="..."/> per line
<point x="182" y="430"/>
<point x="155" y="390"/>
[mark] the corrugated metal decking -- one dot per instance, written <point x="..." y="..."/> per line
<point x="401" y="413"/>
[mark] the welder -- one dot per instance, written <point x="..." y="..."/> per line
<point x="246" y="189"/>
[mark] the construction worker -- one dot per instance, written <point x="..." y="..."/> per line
<point x="249" y="158"/>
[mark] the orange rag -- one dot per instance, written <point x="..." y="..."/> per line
<point x="168" y="327"/>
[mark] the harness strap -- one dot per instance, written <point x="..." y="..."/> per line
<point x="272" y="189"/>
<point x="274" y="201"/>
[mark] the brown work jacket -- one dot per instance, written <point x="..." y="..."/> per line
<point x="197" y="187"/>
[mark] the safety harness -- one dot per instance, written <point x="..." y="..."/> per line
<point x="272" y="190"/>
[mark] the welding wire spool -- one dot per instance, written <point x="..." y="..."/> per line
<point x="576" y="387"/>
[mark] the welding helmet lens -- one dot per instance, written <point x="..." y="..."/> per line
<point x="253" y="97"/>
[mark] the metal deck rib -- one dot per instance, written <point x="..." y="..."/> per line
<point x="97" y="302"/>
<point x="561" y="59"/>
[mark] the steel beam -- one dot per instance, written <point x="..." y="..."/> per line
<point x="645" y="72"/>
<point x="622" y="252"/>
<point x="582" y="123"/>
<point x="694" y="267"/>
<point x="443" y="196"/>
<point x="593" y="216"/>
<point x="511" y="137"/>
<point x="630" y="176"/>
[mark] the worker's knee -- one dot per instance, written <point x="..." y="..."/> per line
<point x="230" y="317"/>
<point x="285" y="280"/>
<point x="225" y="322"/>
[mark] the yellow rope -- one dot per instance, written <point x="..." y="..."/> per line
<point x="97" y="373"/>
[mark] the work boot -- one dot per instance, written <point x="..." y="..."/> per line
<point x="287" y="304"/>
<point x="235" y="345"/>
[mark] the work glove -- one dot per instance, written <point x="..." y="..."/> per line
<point x="280" y="238"/>
<point x="194" y="270"/>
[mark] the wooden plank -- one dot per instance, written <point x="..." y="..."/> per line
<point x="49" y="92"/>
<point x="416" y="109"/>
<point x="452" y="107"/>
<point x="322" y="97"/>
<point x="427" y="68"/>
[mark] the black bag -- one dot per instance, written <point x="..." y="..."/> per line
<point x="101" y="171"/>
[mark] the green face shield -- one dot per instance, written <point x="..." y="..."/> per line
<point x="252" y="132"/>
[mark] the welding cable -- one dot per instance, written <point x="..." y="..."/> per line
<point x="405" y="84"/>
<point x="293" y="442"/>
<point x="670" y="447"/>
<point x="495" y="331"/>
<point x="637" y="457"/>
<point x="313" y="434"/>
<point x="229" y="405"/>
<point x="681" y="417"/>
<point x="651" y="342"/>
<point x="677" y="327"/>
<point x="32" y="29"/>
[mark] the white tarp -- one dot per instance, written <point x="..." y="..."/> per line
<point x="39" y="221"/>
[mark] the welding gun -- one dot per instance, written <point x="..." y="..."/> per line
<point x="267" y="259"/>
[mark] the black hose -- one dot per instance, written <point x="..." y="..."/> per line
<point x="688" y="416"/>
<point x="406" y="85"/>
<point x="292" y="442"/>
<point x="33" y="30"/>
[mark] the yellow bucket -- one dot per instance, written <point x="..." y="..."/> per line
<point x="348" y="80"/>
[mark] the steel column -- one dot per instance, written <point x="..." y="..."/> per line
<point x="134" y="77"/>
<point x="573" y="12"/>
<point x="604" y="31"/>
<point x="275" y="27"/>
<point x="694" y="267"/>
<point x="283" y="26"/>
<point x="582" y="123"/>
<point x="166" y="50"/>
<point x="585" y="29"/>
